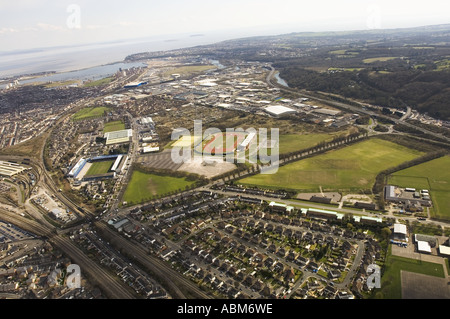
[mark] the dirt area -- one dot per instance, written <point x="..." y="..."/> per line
<point x="418" y="286"/>
<point x="207" y="166"/>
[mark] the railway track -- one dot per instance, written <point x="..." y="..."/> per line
<point x="173" y="280"/>
<point x="109" y="284"/>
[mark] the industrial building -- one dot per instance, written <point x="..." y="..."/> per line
<point x="133" y="85"/>
<point x="118" y="137"/>
<point x="10" y="169"/>
<point x="408" y="196"/>
<point x="400" y="232"/>
<point x="279" y="110"/>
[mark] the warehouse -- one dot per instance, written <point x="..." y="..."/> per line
<point x="279" y="110"/>
<point x="118" y="137"/>
<point x="400" y="232"/>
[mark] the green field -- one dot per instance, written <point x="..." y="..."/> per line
<point x="99" y="82"/>
<point x="351" y="168"/>
<point x="381" y="59"/>
<point x="90" y="113"/>
<point x="391" y="287"/>
<point x="114" y="126"/>
<point x="99" y="168"/>
<point x="434" y="176"/>
<point x="295" y="142"/>
<point x="190" y="69"/>
<point x="146" y="187"/>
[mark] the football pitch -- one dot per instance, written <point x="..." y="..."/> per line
<point x="99" y="168"/>
<point x="146" y="187"/>
<point x="89" y="113"/>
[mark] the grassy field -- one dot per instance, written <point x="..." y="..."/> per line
<point x="349" y="169"/>
<point x="114" y="126"/>
<point x="391" y="287"/>
<point x="434" y="176"/>
<point x="99" y="82"/>
<point x="30" y="148"/>
<point x="295" y="142"/>
<point x="99" y="168"/>
<point x="145" y="187"/>
<point x="190" y="69"/>
<point x="90" y="113"/>
<point x="382" y="59"/>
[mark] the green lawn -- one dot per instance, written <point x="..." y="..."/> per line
<point x="391" y="287"/>
<point x="351" y="168"/>
<point x="145" y="187"/>
<point x="434" y="176"/>
<point x="114" y="126"/>
<point x="90" y="113"/>
<point x="99" y="168"/>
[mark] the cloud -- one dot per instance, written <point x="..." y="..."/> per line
<point x="49" y="27"/>
<point x="8" y="30"/>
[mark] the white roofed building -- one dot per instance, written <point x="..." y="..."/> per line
<point x="279" y="110"/>
<point x="400" y="232"/>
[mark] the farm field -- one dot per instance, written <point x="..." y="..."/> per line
<point x="381" y="59"/>
<point x="90" y="113"/>
<point x="114" y="126"/>
<point x="145" y="187"/>
<point x="352" y="168"/>
<point x="434" y="176"/>
<point x="99" y="168"/>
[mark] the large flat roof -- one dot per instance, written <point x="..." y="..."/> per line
<point x="116" y="137"/>
<point x="10" y="169"/>
<point x="444" y="250"/>
<point x="423" y="246"/>
<point x="400" y="229"/>
<point x="279" y="110"/>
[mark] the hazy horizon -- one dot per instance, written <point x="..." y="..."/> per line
<point x="31" y="24"/>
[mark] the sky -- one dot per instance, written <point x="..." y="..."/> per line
<point x="27" y="24"/>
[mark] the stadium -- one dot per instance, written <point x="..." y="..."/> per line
<point x="224" y="143"/>
<point x="98" y="168"/>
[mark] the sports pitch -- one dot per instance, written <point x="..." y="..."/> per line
<point x="351" y="168"/>
<point x="100" y="168"/>
<point x="146" y="187"/>
<point x="90" y="113"/>
<point x="220" y="143"/>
